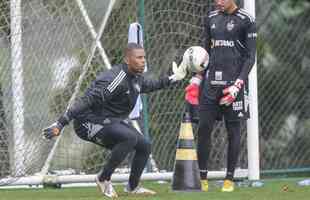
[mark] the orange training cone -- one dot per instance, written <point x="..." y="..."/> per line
<point x="186" y="175"/>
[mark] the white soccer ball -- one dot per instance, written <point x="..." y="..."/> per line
<point x="196" y="59"/>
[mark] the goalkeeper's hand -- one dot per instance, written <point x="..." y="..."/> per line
<point x="231" y="93"/>
<point x="192" y="90"/>
<point x="179" y="72"/>
<point x="52" y="130"/>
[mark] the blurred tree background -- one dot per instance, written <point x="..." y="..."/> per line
<point x="283" y="79"/>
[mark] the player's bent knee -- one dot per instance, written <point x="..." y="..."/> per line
<point x="145" y="147"/>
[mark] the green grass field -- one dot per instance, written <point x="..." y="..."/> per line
<point x="272" y="190"/>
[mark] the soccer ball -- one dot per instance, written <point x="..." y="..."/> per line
<point x="196" y="59"/>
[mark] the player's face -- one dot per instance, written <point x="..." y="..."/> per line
<point x="135" y="60"/>
<point x="224" y="5"/>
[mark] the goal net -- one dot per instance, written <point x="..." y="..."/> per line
<point x="51" y="50"/>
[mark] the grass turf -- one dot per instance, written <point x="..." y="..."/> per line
<point x="284" y="189"/>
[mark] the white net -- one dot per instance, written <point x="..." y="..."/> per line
<point x="57" y="39"/>
<point x="56" y="42"/>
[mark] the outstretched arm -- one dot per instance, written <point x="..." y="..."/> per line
<point x="56" y="128"/>
<point x="100" y="91"/>
<point x="179" y="73"/>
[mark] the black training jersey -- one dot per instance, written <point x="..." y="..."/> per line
<point x="230" y="40"/>
<point x="113" y="94"/>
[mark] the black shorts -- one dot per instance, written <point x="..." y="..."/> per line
<point x="238" y="110"/>
<point x="110" y="133"/>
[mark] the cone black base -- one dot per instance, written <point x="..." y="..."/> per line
<point x="186" y="175"/>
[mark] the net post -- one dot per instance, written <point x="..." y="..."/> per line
<point x="252" y="123"/>
<point x="17" y="87"/>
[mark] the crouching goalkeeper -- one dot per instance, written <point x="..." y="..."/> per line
<point x="230" y="39"/>
<point x="99" y="116"/>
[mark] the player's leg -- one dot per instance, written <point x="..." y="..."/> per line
<point x="115" y="136"/>
<point x="121" y="140"/>
<point x="234" y="137"/>
<point x="208" y="113"/>
<point x="207" y="117"/>
<point x="139" y="161"/>
<point x="233" y="115"/>
<point x="142" y="153"/>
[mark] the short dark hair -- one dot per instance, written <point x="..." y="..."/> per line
<point x="131" y="46"/>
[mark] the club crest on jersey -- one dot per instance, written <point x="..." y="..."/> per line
<point x="230" y="25"/>
<point x="213" y="26"/>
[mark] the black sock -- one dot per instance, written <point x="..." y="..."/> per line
<point x="203" y="174"/>
<point x="138" y="164"/>
<point x="229" y="176"/>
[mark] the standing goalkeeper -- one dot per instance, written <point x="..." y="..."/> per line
<point x="230" y="39"/>
<point x="99" y="116"/>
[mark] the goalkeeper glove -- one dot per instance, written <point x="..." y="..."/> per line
<point x="52" y="130"/>
<point x="231" y="93"/>
<point x="179" y="72"/>
<point x="192" y="90"/>
<point x="55" y="128"/>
